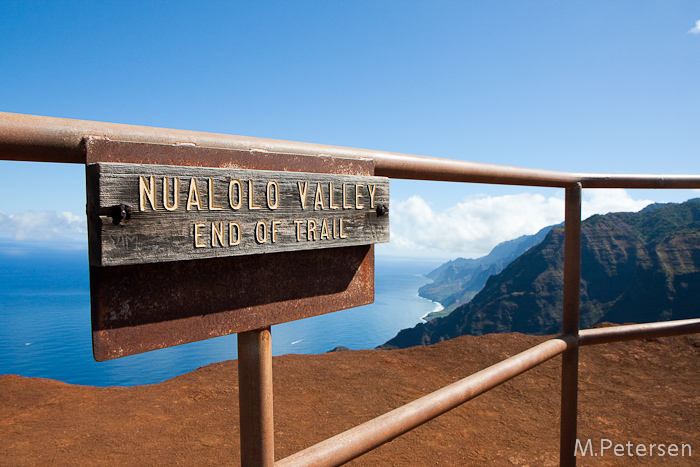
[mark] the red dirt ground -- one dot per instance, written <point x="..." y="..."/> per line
<point x="642" y="392"/>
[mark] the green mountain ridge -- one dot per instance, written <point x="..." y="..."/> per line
<point x="635" y="268"/>
<point x="458" y="281"/>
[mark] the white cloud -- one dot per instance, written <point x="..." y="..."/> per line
<point x="696" y="29"/>
<point x="605" y="200"/>
<point x="43" y="225"/>
<point x="470" y="228"/>
<point x="474" y="226"/>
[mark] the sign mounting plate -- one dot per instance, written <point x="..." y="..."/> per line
<point x="145" y="301"/>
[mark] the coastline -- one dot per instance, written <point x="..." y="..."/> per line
<point x="54" y="285"/>
<point x="438" y="308"/>
<point x="437" y="312"/>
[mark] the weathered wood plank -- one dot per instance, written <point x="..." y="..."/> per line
<point x="182" y="213"/>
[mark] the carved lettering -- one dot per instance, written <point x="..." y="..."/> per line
<point x="173" y="213"/>
<point x="212" y="205"/>
<point x="217" y="233"/>
<point x="198" y="235"/>
<point x="260" y="232"/>
<point x="147" y="192"/>
<point x="319" y="197"/>
<point x="176" y="194"/>
<point x="371" y="189"/>
<point x="358" y="195"/>
<point x="345" y="196"/>
<point x="270" y="204"/>
<point x="275" y="229"/>
<point x="251" y="201"/>
<point x="193" y="196"/>
<point x="330" y="198"/>
<point x="235" y="185"/>
<point x="303" y="189"/>
<point x="311" y="229"/>
<point x="297" y="223"/>
<point x="324" y="230"/>
<point x="234" y="240"/>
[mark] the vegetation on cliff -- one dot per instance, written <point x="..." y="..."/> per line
<point x="458" y="281"/>
<point x="635" y="268"/>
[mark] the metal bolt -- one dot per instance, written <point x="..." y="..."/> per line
<point x="122" y="213"/>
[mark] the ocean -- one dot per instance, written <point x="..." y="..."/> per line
<point x="45" y="320"/>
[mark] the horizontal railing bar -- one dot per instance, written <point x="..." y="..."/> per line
<point x="50" y="139"/>
<point x="369" y="435"/>
<point x="449" y="170"/>
<point x="638" y="331"/>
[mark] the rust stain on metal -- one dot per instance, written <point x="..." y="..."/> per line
<point x="146" y="307"/>
<point x="138" y="308"/>
<point x="639" y="331"/>
<point x="104" y="150"/>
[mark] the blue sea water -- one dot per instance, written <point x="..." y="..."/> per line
<point x="45" y="320"/>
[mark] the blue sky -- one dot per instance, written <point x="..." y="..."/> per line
<point x="574" y="86"/>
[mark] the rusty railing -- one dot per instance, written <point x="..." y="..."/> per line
<point x="45" y="139"/>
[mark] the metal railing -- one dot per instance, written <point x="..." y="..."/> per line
<point x="46" y="139"/>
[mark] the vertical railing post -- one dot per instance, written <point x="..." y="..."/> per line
<point x="570" y="325"/>
<point x="255" y="398"/>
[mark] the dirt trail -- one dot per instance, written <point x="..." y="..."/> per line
<point x="639" y="392"/>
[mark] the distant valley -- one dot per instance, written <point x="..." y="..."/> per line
<point x="458" y="281"/>
<point x="636" y="267"/>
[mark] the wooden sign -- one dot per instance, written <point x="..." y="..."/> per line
<point x="167" y="290"/>
<point x="157" y="213"/>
